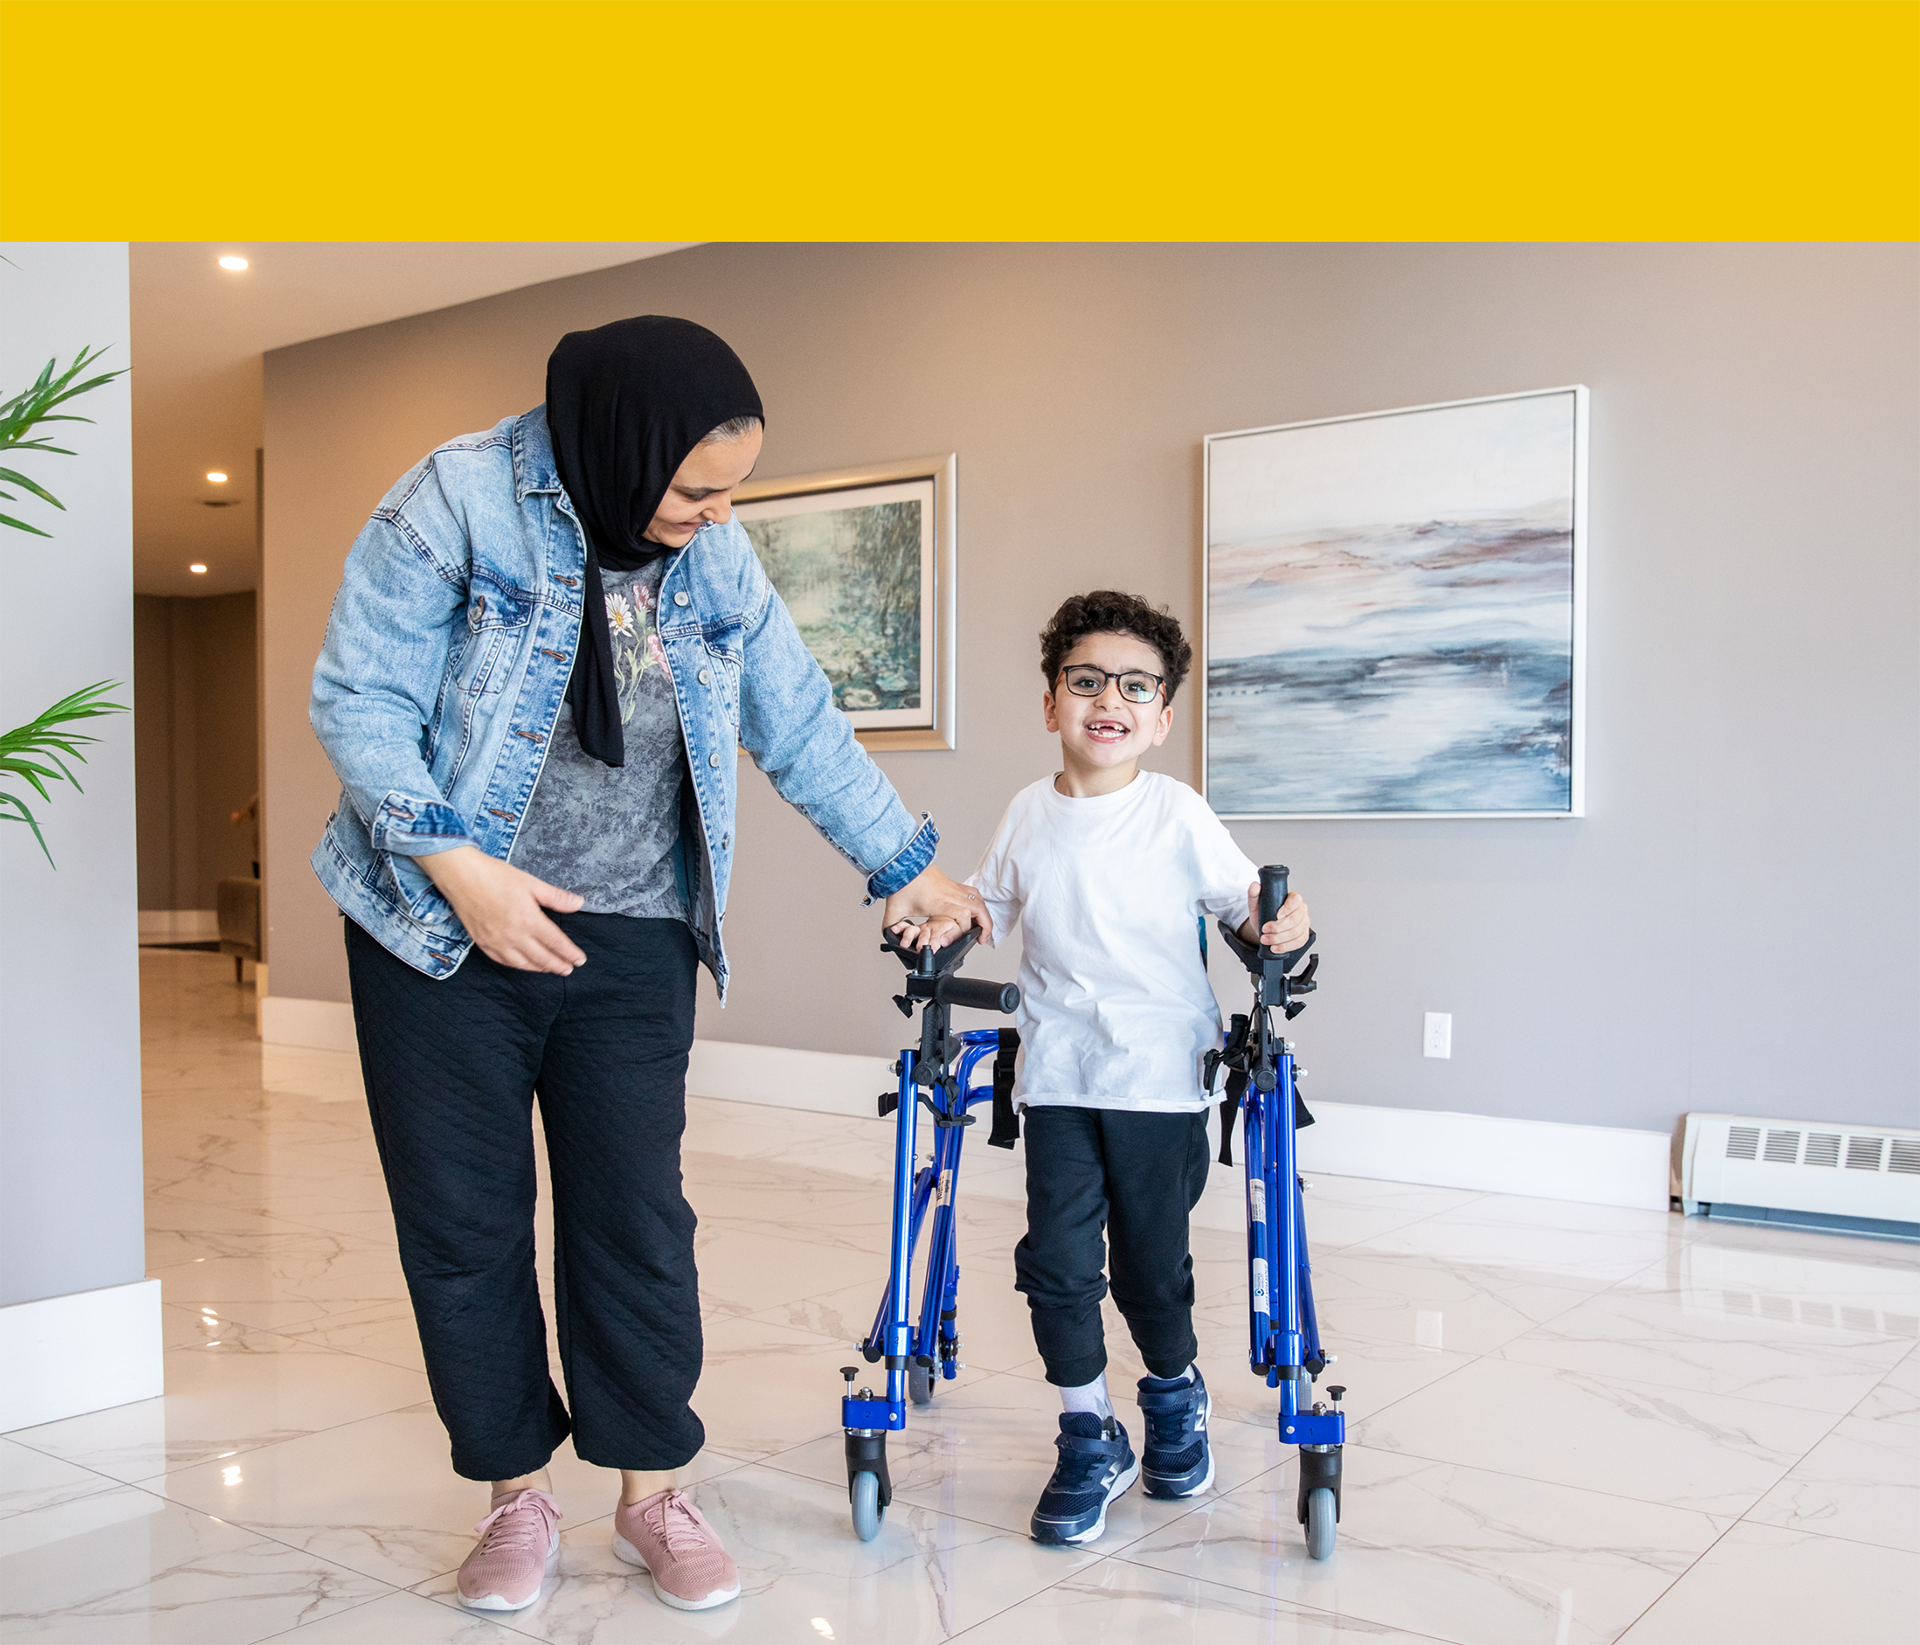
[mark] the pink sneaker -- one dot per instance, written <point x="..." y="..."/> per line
<point x="519" y="1544"/>
<point x="667" y="1536"/>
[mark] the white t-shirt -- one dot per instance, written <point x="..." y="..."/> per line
<point x="1115" y="1007"/>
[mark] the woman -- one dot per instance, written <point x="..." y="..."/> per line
<point x="549" y="642"/>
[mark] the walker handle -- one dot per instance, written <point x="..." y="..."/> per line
<point x="1273" y="892"/>
<point x="936" y="959"/>
<point x="978" y="994"/>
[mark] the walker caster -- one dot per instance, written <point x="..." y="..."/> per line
<point x="1322" y="1522"/>
<point x="869" y="1486"/>
<point x="1318" y="1504"/>
<point x="920" y="1383"/>
<point x="867" y="1512"/>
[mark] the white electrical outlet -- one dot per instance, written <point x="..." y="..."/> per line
<point x="1438" y="1039"/>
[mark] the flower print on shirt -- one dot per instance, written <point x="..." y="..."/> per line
<point x="631" y="624"/>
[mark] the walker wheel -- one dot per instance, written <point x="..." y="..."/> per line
<point x="920" y="1383"/>
<point x="867" y="1512"/>
<point x="1321" y="1522"/>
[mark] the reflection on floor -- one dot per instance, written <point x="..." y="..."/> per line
<point x="1572" y="1423"/>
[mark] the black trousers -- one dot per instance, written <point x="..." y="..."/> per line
<point x="452" y="1068"/>
<point x="1136" y="1177"/>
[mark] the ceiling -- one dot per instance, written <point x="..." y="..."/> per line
<point x="198" y="335"/>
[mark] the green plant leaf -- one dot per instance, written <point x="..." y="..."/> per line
<point x="48" y="737"/>
<point x="33" y="773"/>
<point x="11" y="476"/>
<point x="34" y="407"/>
<point x="12" y="809"/>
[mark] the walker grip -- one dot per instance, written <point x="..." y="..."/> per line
<point x="1273" y="891"/>
<point x="977" y="994"/>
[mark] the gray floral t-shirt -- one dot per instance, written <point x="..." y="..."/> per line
<point x="610" y="833"/>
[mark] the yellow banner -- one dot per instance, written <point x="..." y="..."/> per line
<point x="959" y="119"/>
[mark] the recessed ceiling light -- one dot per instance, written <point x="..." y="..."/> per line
<point x="216" y="476"/>
<point x="235" y="264"/>
<point x="197" y="569"/>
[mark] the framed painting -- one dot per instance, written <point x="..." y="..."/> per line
<point x="864" y="558"/>
<point x="1395" y="610"/>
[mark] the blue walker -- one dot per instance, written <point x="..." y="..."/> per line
<point x="1284" y="1332"/>
<point x="1285" y="1339"/>
<point x="915" y="1354"/>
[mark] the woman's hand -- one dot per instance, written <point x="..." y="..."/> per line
<point x="1286" y="931"/>
<point x="938" y="897"/>
<point x="936" y="933"/>
<point x="500" y="906"/>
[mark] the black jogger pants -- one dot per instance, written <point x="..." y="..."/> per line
<point x="1136" y="1177"/>
<point x="452" y="1067"/>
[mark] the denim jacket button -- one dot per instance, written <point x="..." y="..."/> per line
<point x="680" y="598"/>
<point x="706" y="676"/>
<point x="713" y="759"/>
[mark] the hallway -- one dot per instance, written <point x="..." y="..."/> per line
<point x="1572" y="1423"/>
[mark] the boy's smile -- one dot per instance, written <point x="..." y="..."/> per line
<point x="1103" y="737"/>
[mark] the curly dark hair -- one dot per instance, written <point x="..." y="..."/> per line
<point x="1108" y="611"/>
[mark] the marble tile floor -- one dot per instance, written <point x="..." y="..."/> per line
<point x="1571" y="1423"/>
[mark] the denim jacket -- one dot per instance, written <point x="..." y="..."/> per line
<point x="446" y="661"/>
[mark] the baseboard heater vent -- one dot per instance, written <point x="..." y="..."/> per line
<point x="1802" y="1173"/>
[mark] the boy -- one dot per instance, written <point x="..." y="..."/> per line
<point x="1110" y="867"/>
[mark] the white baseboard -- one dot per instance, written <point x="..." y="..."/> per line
<point x="1591" y="1164"/>
<point x="324" y="1025"/>
<point x="179" y="925"/>
<point x="822" y="1082"/>
<point x="65" y="1356"/>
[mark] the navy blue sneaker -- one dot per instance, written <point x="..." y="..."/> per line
<point x="1096" y="1465"/>
<point x="1176" y="1459"/>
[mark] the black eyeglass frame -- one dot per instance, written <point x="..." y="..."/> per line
<point x="1106" y="674"/>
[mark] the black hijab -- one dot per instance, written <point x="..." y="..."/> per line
<point x="626" y="403"/>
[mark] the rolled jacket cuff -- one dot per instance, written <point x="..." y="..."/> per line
<point x="411" y="827"/>
<point x="907" y="864"/>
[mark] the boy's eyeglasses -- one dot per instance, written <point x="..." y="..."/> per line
<point x="1136" y="685"/>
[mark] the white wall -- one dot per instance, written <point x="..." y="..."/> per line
<point x="70" y="1172"/>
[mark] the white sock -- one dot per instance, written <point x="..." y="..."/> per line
<point x="1089" y="1396"/>
<point x="1185" y="1376"/>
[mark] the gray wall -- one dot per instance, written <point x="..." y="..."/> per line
<point x="1733" y="925"/>
<point x="197" y="751"/>
<point x="70" y="1179"/>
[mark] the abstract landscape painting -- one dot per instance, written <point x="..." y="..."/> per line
<point x="855" y="568"/>
<point x="1392" y="613"/>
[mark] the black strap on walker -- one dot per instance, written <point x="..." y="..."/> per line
<point x="1229" y="1110"/>
<point x="1006" y="1123"/>
<point x="1233" y="1055"/>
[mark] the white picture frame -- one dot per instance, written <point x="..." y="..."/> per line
<point x="1394" y="613"/>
